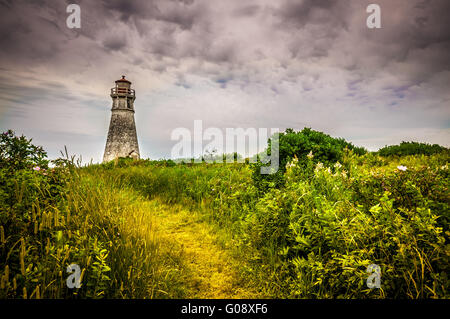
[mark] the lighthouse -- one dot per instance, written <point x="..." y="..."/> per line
<point x="122" y="137"/>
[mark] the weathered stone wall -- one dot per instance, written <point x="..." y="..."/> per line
<point x="122" y="137"/>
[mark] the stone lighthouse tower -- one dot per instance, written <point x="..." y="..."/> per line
<point x="122" y="137"/>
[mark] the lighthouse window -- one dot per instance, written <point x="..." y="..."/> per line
<point x="128" y="104"/>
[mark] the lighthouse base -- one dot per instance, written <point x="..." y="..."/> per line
<point x="122" y="137"/>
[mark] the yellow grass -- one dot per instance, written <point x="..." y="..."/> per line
<point x="210" y="267"/>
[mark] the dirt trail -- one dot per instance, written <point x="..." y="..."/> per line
<point x="210" y="266"/>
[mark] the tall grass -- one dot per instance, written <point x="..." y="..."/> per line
<point x="312" y="238"/>
<point x="106" y="230"/>
<point x="316" y="236"/>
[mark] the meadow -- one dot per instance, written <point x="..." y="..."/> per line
<point x="157" y="229"/>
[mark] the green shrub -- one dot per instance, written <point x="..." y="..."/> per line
<point x="411" y="148"/>
<point x="18" y="152"/>
<point x="53" y="217"/>
<point x="327" y="225"/>
<point x="312" y="232"/>
<point x="317" y="145"/>
<point x="31" y="199"/>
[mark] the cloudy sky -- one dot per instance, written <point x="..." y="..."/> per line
<point x="233" y="63"/>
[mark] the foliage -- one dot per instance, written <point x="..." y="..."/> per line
<point x="327" y="227"/>
<point x="317" y="145"/>
<point x="411" y="148"/>
<point x="18" y="152"/>
<point x="334" y="212"/>
<point x="51" y="218"/>
<point x="316" y="236"/>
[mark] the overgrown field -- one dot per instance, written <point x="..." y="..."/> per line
<point x="309" y="232"/>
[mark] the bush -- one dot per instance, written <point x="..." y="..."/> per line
<point x="328" y="225"/>
<point x="335" y="212"/>
<point x="51" y="218"/>
<point x="411" y="148"/>
<point x="302" y="145"/>
<point x="31" y="205"/>
<point x="18" y="152"/>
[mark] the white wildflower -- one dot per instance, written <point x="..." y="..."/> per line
<point x="289" y="165"/>
<point x="402" y="168"/>
<point x="319" y="166"/>
<point x="310" y="155"/>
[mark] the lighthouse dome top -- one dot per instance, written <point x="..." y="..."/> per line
<point x="123" y="80"/>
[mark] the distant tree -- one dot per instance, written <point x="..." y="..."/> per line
<point x="411" y="148"/>
<point x="19" y="153"/>
<point x="320" y="146"/>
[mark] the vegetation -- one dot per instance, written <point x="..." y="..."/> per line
<point x="50" y="218"/>
<point x="302" y="145"/>
<point x="411" y="148"/>
<point x="156" y="229"/>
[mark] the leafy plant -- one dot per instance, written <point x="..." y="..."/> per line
<point x="18" y="152"/>
<point x="302" y="145"/>
<point x="310" y="231"/>
<point x="411" y="148"/>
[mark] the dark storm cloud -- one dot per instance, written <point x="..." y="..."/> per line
<point x="246" y="11"/>
<point x="415" y="45"/>
<point x="115" y="43"/>
<point x="136" y="9"/>
<point x="313" y="28"/>
<point x="300" y="13"/>
<point x="181" y="13"/>
<point x="310" y="29"/>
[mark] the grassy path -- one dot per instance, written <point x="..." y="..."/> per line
<point x="210" y="267"/>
